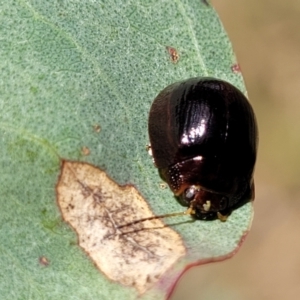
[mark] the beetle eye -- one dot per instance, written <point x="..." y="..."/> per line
<point x="189" y="194"/>
<point x="223" y="203"/>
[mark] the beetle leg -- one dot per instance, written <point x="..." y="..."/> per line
<point x="190" y="211"/>
<point x="221" y="217"/>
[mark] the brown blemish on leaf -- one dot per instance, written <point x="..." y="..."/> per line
<point x="236" y="68"/>
<point x="43" y="260"/>
<point x="85" y="151"/>
<point x="205" y="2"/>
<point x="173" y="54"/>
<point x="94" y="205"/>
<point x="97" y="128"/>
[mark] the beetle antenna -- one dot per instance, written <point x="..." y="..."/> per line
<point x="189" y="211"/>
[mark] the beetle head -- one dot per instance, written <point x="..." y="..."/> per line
<point x="207" y="205"/>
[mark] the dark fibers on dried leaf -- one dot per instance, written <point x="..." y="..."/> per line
<point x="94" y="205"/>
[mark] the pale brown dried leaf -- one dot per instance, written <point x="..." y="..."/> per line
<point x="94" y="205"/>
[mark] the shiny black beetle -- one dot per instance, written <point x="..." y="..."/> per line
<point x="203" y="137"/>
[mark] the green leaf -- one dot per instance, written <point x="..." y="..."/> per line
<point x="78" y="75"/>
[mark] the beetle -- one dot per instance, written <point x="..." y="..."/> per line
<point x="203" y="139"/>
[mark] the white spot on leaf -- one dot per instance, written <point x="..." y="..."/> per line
<point x="94" y="205"/>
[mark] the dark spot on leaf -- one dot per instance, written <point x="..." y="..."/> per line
<point x="206" y="2"/>
<point x="97" y="128"/>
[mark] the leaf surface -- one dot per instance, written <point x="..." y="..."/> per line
<point x="77" y="82"/>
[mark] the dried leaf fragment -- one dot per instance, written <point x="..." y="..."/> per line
<point x="94" y="205"/>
